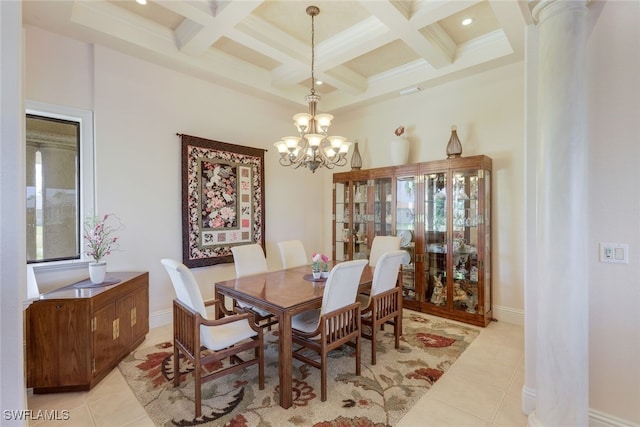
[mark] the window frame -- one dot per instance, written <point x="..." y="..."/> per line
<point x="87" y="170"/>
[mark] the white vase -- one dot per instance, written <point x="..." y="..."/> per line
<point x="316" y="274"/>
<point x="324" y="274"/>
<point x="97" y="272"/>
<point x="399" y="151"/>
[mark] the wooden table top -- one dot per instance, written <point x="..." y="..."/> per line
<point x="283" y="289"/>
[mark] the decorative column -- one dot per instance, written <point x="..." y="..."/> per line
<point x="562" y="289"/>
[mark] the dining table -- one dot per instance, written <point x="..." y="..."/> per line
<point x="283" y="293"/>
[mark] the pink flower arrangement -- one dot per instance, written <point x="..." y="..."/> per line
<point x="320" y="262"/>
<point x="99" y="236"/>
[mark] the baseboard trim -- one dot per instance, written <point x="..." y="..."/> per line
<point x="528" y="398"/>
<point x="161" y="318"/>
<point x="596" y="418"/>
<point x="600" y="419"/>
<point x="508" y="315"/>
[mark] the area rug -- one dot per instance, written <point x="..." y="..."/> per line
<point x="380" y="396"/>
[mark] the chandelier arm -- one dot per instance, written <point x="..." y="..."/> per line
<point x="284" y="161"/>
<point x="302" y="154"/>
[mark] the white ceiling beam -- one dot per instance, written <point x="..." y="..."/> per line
<point x="428" y="12"/>
<point x="109" y="19"/>
<point x="477" y="54"/>
<point x="335" y="51"/>
<point x="345" y="80"/>
<point x="429" y="48"/>
<point x="189" y="10"/>
<point x="513" y="17"/>
<point x="195" y="38"/>
<point x="263" y="37"/>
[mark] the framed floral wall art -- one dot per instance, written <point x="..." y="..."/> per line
<point x="222" y="199"/>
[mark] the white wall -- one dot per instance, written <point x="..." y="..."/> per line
<point x="13" y="246"/>
<point x="488" y="110"/>
<point x="139" y="107"/>
<point x="614" y="193"/>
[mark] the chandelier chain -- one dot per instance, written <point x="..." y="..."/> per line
<point x="313" y="54"/>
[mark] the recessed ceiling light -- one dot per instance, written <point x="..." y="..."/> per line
<point x="467" y="21"/>
<point x="142" y="2"/>
<point x="318" y="82"/>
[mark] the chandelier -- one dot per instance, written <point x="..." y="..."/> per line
<point x="313" y="148"/>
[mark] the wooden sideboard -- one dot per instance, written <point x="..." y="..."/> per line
<point x="77" y="334"/>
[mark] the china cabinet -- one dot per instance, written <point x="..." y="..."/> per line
<point x="442" y="212"/>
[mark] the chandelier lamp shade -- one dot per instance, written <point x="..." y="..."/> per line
<point x="313" y="148"/>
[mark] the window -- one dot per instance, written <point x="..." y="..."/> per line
<point x="59" y="156"/>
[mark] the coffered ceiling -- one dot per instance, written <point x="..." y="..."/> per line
<point x="365" y="50"/>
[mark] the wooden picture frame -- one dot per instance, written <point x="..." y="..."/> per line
<point x="222" y="199"/>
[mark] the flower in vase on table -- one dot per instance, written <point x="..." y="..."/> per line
<point x="98" y="234"/>
<point x="320" y="262"/>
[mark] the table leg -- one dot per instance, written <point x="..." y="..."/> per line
<point x="220" y="297"/>
<point x="285" y="359"/>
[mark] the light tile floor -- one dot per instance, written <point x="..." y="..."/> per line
<point x="482" y="388"/>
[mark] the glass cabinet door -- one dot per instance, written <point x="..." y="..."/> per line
<point x="342" y="223"/>
<point x="405" y="228"/>
<point x="382" y="213"/>
<point x="360" y="219"/>
<point x="435" y="238"/>
<point x="466" y="240"/>
<point x="486" y="223"/>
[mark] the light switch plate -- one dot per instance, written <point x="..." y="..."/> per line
<point x="617" y="253"/>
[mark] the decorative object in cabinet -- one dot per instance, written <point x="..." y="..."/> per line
<point x="77" y="334"/>
<point x="441" y="210"/>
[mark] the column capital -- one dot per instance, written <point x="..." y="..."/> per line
<point x="546" y="8"/>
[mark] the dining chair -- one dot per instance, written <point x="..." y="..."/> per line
<point x="292" y="254"/>
<point x="250" y="260"/>
<point x="380" y="245"/>
<point x="384" y="303"/>
<point x="193" y="333"/>
<point x="336" y="323"/>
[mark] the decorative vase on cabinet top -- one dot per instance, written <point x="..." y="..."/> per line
<point x="97" y="272"/>
<point x="399" y="151"/>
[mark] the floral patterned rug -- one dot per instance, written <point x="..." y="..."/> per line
<point x="379" y="397"/>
